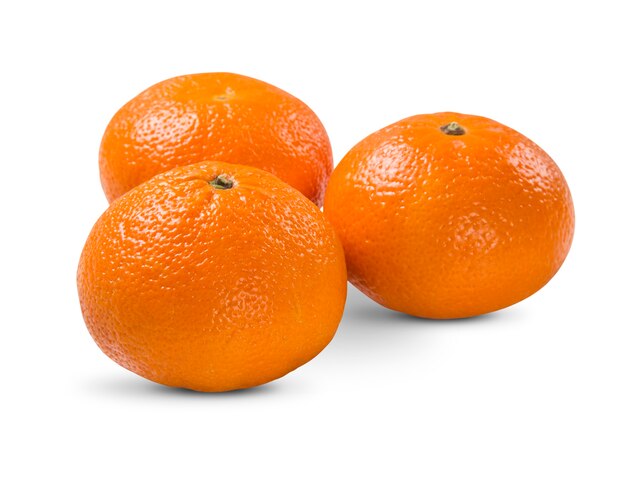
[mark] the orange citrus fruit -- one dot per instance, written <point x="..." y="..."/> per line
<point x="449" y="215"/>
<point x="212" y="277"/>
<point x="215" y="116"/>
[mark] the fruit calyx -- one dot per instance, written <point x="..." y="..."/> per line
<point x="222" y="182"/>
<point x="453" y="128"/>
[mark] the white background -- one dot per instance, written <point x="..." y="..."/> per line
<point x="532" y="395"/>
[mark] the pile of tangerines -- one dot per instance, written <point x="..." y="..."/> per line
<point x="214" y="267"/>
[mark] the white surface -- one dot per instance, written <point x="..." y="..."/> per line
<point x="533" y="395"/>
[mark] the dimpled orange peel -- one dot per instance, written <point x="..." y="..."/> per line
<point x="449" y="215"/>
<point x="212" y="277"/>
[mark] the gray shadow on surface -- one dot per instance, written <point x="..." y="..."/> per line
<point x="130" y="386"/>
<point x="367" y="326"/>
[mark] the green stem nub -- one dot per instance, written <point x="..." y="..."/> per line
<point x="452" y="128"/>
<point x="222" y="182"/>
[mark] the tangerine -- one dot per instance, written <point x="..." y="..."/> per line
<point x="215" y="116"/>
<point x="449" y="215"/>
<point x="212" y="277"/>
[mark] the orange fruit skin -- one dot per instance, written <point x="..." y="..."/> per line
<point x="212" y="289"/>
<point x="215" y="116"/>
<point x="450" y="226"/>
